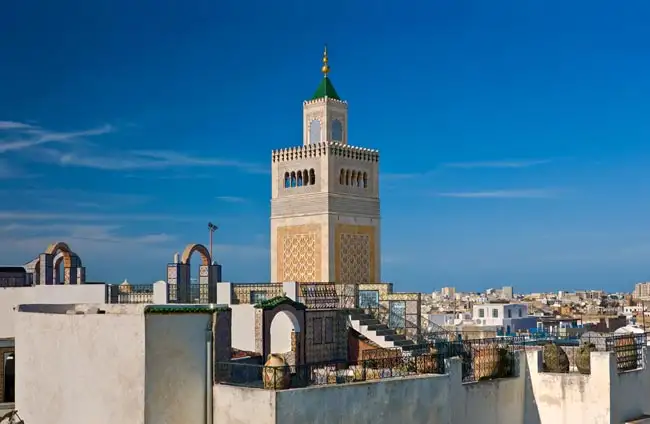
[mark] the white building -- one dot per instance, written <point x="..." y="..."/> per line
<point x="507" y="317"/>
<point x="495" y="313"/>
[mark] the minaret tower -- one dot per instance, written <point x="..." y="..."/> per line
<point x="325" y="221"/>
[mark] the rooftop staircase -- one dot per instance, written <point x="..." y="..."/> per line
<point x="375" y="322"/>
<point x="377" y="331"/>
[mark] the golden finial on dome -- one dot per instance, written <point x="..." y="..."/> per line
<point x="326" y="67"/>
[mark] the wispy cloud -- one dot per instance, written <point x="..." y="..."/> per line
<point x="503" y="194"/>
<point x="21" y="136"/>
<point x="514" y="163"/>
<point x="39" y="217"/>
<point x="397" y="176"/>
<point x="11" y="125"/>
<point x="230" y="199"/>
<point x="134" y="160"/>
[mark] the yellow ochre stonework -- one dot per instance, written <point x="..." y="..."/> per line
<point x="355" y="249"/>
<point x="299" y="253"/>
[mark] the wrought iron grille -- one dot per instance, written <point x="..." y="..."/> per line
<point x="319" y="296"/>
<point x="199" y="293"/>
<point x="135" y="293"/>
<point x="172" y="293"/>
<point x="628" y="349"/>
<point x="484" y="359"/>
<point x="325" y="373"/>
<point x="399" y="320"/>
<point x="252" y="293"/>
<point x="327" y="295"/>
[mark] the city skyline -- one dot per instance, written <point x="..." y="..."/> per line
<point x="511" y="136"/>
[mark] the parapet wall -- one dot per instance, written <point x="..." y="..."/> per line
<point x="326" y="148"/>
<point x="425" y="399"/>
<point x="605" y="396"/>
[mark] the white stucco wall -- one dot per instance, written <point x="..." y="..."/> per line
<point x="243" y="405"/>
<point x="630" y="391"/>
<point x="499" y="401"/>
<point x="418" y="400"/>
<point x="10" y="297"/>
<point x="603" y="397"/>
<point x="175" y="368"/>
<point x="427" y="399"/>
<point x="120" y="366"/>
<point x="80" y="369"/>
<point x="243" y="327"/>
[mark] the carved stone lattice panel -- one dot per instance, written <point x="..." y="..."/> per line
<point x="299" y="253"/>
<point x="355" y="252"/>
<point x="355" y="258"/>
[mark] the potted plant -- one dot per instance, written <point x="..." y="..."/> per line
<point x="555" y="359"/>
<point x="583" y="357"/>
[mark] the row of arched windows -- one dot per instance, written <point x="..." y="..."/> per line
<point x="353" y="178"/>
<point x="299" y="178"/>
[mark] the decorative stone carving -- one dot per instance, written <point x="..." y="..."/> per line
<point x="299" y="253"/>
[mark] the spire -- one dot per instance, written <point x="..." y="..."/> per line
<point x="326" y="67"/>
<point x="326" y="88"/>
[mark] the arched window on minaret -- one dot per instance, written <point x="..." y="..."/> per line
<point x="305" y="177"/>
<point x="342" y="177"/>
<point x="337" y="131"/>
<point x="353" y="179"/>
<point x="312" y="177"/>
<point x="293" y="179"/>
<point x="365" y="180"/>
<point x="359" y="177"/>
<point x="287" y="180"/>
<point x="314" y="131"/>
<point x="299" y="179"/>
<point x="347" y="177"/>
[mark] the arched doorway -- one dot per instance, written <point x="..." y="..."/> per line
<point x="279" y="328"/>
<point x="282" y="331"/>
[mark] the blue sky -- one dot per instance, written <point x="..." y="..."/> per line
<point x="513" y="135"/>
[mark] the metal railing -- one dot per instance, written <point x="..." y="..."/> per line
<point x="327" y="295"/>
<point x="135" y="293"/>
<point x="253" y="293"/>
<point x="485" y="359"/>
<point x="481" y="359"/>
<point x="421" y="332"/>
<point x="326" y="373"/>
<point x="628" y="350"/>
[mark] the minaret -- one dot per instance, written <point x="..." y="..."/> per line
<point x="325" y="220"/>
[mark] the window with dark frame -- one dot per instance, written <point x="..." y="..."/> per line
<point x="318" y="330"/>
<point x="329" y="330"/>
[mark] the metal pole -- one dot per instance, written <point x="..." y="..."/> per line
<point x="212" y="228"/>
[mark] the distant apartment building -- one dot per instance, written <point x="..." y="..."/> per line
<point x="449" y="292"/>
<point x="508" y="317"/>
<point x="642" y="290"/>
<point x="507" y="292"/>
